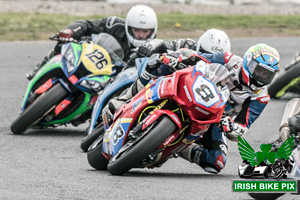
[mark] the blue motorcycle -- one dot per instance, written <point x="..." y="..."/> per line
<point x="122" y="82"/>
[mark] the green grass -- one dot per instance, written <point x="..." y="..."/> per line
<point x="37" y="26"/>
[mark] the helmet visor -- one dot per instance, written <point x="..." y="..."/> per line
<point x="139" y="33"/>
<point x="261" y="72"/>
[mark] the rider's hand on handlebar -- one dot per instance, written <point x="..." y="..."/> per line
<point x="65" y="35"/>
<point x="169" y="59"/>
<point x="144" y="50"/>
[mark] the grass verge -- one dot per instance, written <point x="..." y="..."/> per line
<point x="38" y="26"/>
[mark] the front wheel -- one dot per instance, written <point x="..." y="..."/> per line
<point x="121" y="163"/>
<point x="35" y="111"/>
<point x="89" y="139"/>
<point x="289" y="81"/>
<point x="95" y="157"/>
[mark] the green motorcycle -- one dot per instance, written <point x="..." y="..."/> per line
<point x="65" y="89"/>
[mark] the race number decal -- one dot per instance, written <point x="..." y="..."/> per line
<point x="205" y="92"/>
<point x="118" y="133"/>
<point x="97" y="58"/>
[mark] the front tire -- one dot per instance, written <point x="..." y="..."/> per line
<point x="35" y="111"/>
<point x="89" y="139"/>
<point x="122" y="163"/>
<point x="95" y="157"/>
<point x="289" y="81"/>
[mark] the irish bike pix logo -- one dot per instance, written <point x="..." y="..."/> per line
<point x="270" y="166"/>
<point x="265" y="163"/>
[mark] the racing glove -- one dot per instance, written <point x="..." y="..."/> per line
<point x="144" y="50"/>
<point x="231" y="129"/>
<point x="148" y="48"/>
<point x="188" y="56"/>
<point x="170" y="59"/>
<point x="65" y="35"/>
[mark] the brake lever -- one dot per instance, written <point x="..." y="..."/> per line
<point x="54" y="37"/>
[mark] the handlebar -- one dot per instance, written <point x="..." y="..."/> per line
<point x="54" y="37"/>
<point x="181" y="66"/>
<point x="83" y="38"/>
<point x="178" y="67"/>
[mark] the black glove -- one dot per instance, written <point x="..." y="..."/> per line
<point x="150" y="47"/>
<point x="144" y="50"/>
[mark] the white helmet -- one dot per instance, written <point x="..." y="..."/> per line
<point x="213" y="41"/>
<point x="141" y="17"/>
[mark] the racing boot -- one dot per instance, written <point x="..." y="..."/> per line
<point x="192" y="153"/>
<point x="31" y="74"/>
<point x="116" y="103"/>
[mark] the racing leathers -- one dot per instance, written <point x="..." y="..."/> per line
<point x="113" y="25"/>
<point x="155" y="46"/>
<point x="243" y="108"/>
<point x="79" y="30"/>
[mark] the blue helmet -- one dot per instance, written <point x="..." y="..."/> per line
<point x="260" y="65"/>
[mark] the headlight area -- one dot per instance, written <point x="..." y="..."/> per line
<point x="69" y="59"/>
<point x="91" y="85"/>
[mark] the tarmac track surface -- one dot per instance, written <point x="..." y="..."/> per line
<point x="49" y="164"/>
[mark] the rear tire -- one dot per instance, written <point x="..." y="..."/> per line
<point x="95" y="157"/>
<point x="286" y="82"/>
<point x="130" y="158"/>
<point x="89" y="139"/>
<point x="38" y="108"/>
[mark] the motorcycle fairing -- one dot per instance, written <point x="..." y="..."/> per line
<point x="96" y="59"/>
<point x="84" y="83"/>
<point x="52" y="64"/>
<point x="152" y="91"/>
<point x="81" y="109"/>
<point x="204" y="96"/>
<point x="157" y="114"/>
<point x="169" y="87"/>
<point x="125" y="78"/>
<point x="136" y="104"/>
<point x="92" y="57"/>
<point x="185" y="93"/>
<point x="59" y="62"/>
<point x="113" y="138"/>
<point x="43" y="88"/>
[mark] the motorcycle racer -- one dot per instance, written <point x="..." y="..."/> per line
<point x="140" y="25"/>
<point x="211" y="41"/>
<point x="248" y="96"/>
